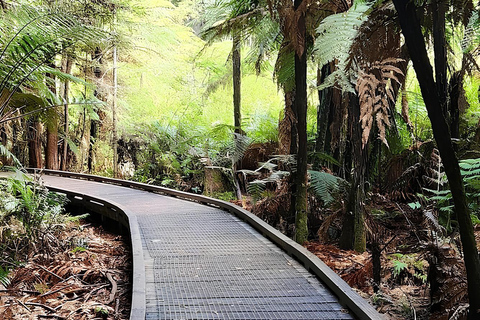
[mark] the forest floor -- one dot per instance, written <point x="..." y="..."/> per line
<point x="83" y="274"/>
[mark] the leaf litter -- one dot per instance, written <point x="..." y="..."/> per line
<point x="85" y="276"/>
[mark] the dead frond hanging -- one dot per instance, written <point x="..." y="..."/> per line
<point x="376" y="93"/>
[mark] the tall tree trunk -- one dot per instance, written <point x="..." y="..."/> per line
<point x="114" y="114"/>
<point x="289" y="122"/>
<point x="412" y="32"/>
<point x="323" y="111"/>
<point x="440" y="52"/>
<point x="353" y="230"/>
<point x="97" y="55"/>
<point x="34" y="143"/>
<point x="301" y="227"/>
<point x="51" y="152"/>
<point x="66" y="88"/>
<point x="237" y="116"/>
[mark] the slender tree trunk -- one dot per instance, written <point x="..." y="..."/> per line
<point x="412" y="32"/>
<point x="91" y="150"/>
<point x="323" y="111"/>
<point x="353" y="230"/>
<point x="114" y="114"/>
<point x="440" y="52"/>
<point x="66" y="89"/>
<point x="301" y="227"/>
<point x="237" y="116"/>
<point x="94" y="123"/>
<point x="51" y="152"/>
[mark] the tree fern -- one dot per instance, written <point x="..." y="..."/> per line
<point x="336" y="34"/>
<point x="37" y="36"/>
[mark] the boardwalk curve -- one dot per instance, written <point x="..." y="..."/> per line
<point x="201" y="262"/>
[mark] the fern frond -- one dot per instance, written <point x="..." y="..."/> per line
<point x="336" y="34"/>
<point x="376" y="95"/>
<point x="255" y="189"/>
<point x="324" y="157"/>
<point x="4" y="279"/>
<point x="471" y="38"/>
<point x="241" y="143"/>
<point x="41" y="36"/>
<point x="324" y="185"/>
<point x="4" y="152"/>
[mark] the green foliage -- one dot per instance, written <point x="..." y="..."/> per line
<point x="325" y="185"/>
<point x="408" y="265"/>
<point x="255" y="189"/>
<point x="398" y="268"/>
<point x="470" y="170"/>
<point x="31" y="38"/>
<point x="168" y="156"/>
<point x="78" y="249"/>
<point x="336" y="34"/>
<point x="25" y="200"/>
<point x="4" y="279"/>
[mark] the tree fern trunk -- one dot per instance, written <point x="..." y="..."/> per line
<point x="353" y="231"/>
<point x="323" y="111"/>
<point x="237" y="116"/>
<point x="66" y="89"/>
<point x="412" y="32"/>
<point x="301" y="227"/>
<point x="51" y="152"/>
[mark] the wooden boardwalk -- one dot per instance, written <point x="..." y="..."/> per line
<point x="204" y="263"/>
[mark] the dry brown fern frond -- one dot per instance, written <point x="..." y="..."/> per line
<point x="376" y="94"/>
<point x="447" y="278"/>
<point x="360" y="277"/>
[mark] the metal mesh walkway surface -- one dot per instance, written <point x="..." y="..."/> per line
<point x="204" y="263"/>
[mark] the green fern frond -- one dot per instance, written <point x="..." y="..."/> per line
<point x="284" y="71"/>
<point x="471" y="38"/>
<point x="324" y="158"/>
<point x="255" y="189"/>
<point x="241" y="144"/>
<point x="4" y="152"/>
<point x="4" y="279"/>
<point x="324" y="185"/>
<point x="38" y="35"/>
<point x="276" y="176"/>
<point x="336" y="34"/>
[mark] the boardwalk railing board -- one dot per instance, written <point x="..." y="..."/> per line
<point x="347" y="297"/>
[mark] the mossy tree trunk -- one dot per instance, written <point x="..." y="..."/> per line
<point x="301" y="206"/>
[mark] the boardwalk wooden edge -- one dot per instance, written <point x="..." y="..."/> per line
<point x="347" y="296"/>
